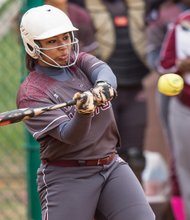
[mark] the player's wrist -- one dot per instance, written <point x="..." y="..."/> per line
<point x="103" y="92"/>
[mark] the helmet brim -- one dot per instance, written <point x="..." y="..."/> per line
<point x="55" y="32"/>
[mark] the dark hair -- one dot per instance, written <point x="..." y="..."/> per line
<point x="30" y="62"/>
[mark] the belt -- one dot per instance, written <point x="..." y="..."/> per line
<point x="76" y="163"/>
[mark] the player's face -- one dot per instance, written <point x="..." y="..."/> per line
<point x="58" y="48"/>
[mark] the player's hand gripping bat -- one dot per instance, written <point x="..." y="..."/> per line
<point x="18" y="115"/>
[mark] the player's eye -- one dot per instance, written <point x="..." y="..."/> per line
<point x="52" y="41"/>
<point x="66" y="37"/>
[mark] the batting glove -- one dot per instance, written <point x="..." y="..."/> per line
<point x="103" y="92"/>
<point x="84" y="102"/>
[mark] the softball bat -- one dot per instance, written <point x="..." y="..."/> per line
<point x="19" y="115"/>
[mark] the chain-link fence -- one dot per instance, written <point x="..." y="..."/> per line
<point x="13" y="193"/>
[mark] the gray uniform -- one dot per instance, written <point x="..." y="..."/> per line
<point x="77" y="192"/>
<point x="179" y="122"/>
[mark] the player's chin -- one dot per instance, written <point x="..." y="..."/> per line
<point x="62" y="62"/>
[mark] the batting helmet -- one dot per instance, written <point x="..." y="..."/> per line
<point x="43" y="22"/>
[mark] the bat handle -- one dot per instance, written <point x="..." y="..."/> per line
<point x="71" y="102"/>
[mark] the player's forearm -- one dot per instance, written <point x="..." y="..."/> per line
<point x="76" y="129"/>
<point x="104" y="73"/>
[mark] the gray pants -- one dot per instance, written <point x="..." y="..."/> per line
<point x="179" y="122"/>
<point x="79" y="193"/>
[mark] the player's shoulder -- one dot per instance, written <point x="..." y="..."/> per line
<point x="88" y="59"/>
<point x="38" y="80"/>
<point x="35" y="85"/>
<point x="37" y="88"/>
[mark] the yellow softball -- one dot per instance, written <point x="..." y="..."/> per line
<point x="170" y="84"/>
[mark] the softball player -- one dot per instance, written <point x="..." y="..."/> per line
<point x="81" y="175"/>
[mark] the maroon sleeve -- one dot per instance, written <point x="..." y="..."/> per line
<point x="168" y="52"/>
<point x="167" y="59"/>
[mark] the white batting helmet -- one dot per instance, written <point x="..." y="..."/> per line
<point x="41" y="23"/>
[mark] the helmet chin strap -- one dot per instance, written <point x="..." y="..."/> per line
<point x="55" y="64"/>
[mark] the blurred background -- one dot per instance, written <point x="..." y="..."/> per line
<point x="19" y="153"/>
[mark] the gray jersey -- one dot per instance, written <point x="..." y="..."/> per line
<point x="64" y="133"/>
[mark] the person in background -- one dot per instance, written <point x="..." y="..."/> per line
<point x="81" y="174"/>
<point x="158" y="18"/>
<point x="82" y="20"/>
<point x="78" y="2"/>
<point x="175" y="57"/>
<point x="119" y="32"/>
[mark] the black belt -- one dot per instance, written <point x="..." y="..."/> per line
<point x="76" y="163"/>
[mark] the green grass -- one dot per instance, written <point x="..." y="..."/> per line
<point x="13" y="194"/>
<point x="10" y="74"/>
<point x="5" y="6"/>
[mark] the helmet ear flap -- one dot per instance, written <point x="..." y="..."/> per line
<point x="32" y="49"/>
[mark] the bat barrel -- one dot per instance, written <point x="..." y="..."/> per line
<point x="18" y="115"/>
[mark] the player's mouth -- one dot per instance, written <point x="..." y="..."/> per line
<point x="63" y="58"/>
